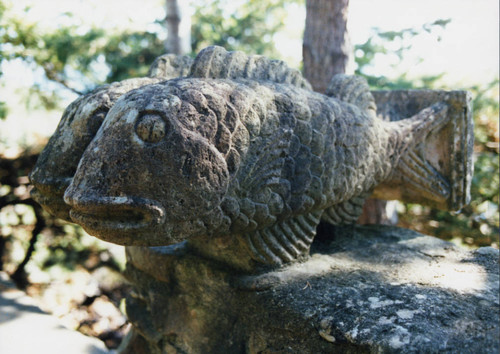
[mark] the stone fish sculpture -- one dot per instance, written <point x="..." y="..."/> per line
<point x="80" y="122"/>
<point x="242" y="159"/>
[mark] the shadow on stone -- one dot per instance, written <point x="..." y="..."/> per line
<point x="372" y="289"/>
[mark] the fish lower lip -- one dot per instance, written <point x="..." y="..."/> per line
<point x="125" y="220"/>
<point x="115" y="219"/>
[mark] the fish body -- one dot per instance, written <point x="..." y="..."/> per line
<point x="203" y="158"/>
<point x="241" y="158"/>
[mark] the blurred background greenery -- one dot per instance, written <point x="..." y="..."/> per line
<point x="70" y="52"/>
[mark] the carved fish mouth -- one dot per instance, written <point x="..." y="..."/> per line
<point x="117" y="219"/>
<point x="50" y="195"/>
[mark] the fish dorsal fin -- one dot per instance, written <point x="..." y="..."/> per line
<point x="352" y="89"/>
<point x="216" y="63"/>
<point x="170" y="66"/>
<point x="284" y="241"/>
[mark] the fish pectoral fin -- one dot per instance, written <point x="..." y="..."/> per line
<point x="284" y="241"/>
<point x="347" y="212"/>
<point x="415" y="170"/>
<point x="264" y="167"/>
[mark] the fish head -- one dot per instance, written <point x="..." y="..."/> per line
<point x="152" y="175"/>
<point x="80" y="122"/>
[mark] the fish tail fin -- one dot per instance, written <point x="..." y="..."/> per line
<point x="352" y="89"/>
<point x="412" y="167"/>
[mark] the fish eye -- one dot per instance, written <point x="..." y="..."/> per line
<point x="151" y="128"/>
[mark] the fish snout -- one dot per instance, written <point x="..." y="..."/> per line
<point x="50" y="186"/>
<point x="49" y="192"/>
<point x="123" y="220"/>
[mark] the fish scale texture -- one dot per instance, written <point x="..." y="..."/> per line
<point x="240" y="157"/>
<point x="331" y="152"/>
<point x="291" y="151"/>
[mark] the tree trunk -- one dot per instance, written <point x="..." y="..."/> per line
<point x="327" y="51"/>
<point x="326" y="48"/>
<point x="376" y="211"/>
<point x="172" y="21"/>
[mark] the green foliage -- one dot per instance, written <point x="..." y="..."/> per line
<point x="478" y="223"/>
<point x="3" y="109"/>
<point x="249" y="26"/>
<point x="395" y="44"/>
<point x="129" y="54"/>
<point x="54" y="52"/>
<point x="76" y="56"/>
<point x="79" y="57"/>
<point x="486" y="108"/>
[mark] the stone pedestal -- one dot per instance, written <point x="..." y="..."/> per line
<point x="367" y="289"/>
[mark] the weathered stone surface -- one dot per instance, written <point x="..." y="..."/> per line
<point x="169" y="66"/>
<point x="237" y="163"/>
<point x="243" y="160"/>
<point x="79" y="124"/>
<point x="447" y="150"/>
<point x="369" y="289"/>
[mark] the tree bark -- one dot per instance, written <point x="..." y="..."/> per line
<point x="326" y="48"/>
<point x="172" y="21"/>
<point x="327" y="51"/>
<point x="376" y="211"/>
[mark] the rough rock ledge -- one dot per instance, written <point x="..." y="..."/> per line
<point x="371" y="289"/>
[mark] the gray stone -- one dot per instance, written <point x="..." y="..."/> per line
<point x="487" y="251"/>
<point x="371" y="289"/>
<point x="243" y="160"/>
<point x="227" y="173"/>
<point x="79" y="124"/>
<point x="448" y="150"/>
<point x="169" y="66"/>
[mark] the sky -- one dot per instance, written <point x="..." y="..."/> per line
<point x="468" y="52"/>
<point x="469" y="49"/>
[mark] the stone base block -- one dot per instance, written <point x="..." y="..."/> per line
<point x="367" y="289"/>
